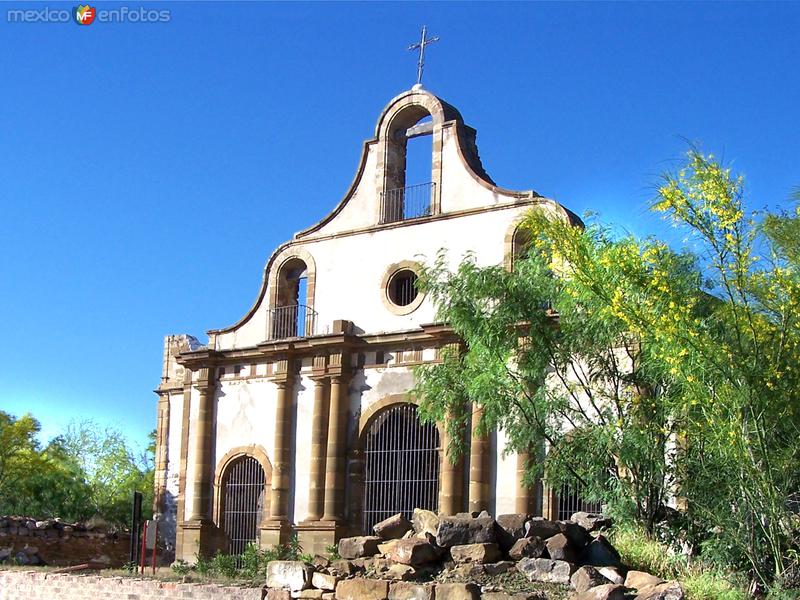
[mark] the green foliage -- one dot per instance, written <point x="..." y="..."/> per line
<point x="655" y="374"/>
<point x="181" y="567"/>
<point x="84" y="473"/>
<point x="701" y="582"/>
<point x="333" y="552"/>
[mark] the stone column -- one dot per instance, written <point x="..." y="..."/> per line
<point x="197" y="531"/>
<point x="202" y="450"/>
<point x="337" y="443"/>
<point x="319" y="448"/>
<point x="479" y="493"/>
<point x="452" y="479"/>
<point x="279" y="497"/>
<point x="525" y="495"/>
<point x="162" y="442"/>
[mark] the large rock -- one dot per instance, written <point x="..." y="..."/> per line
<point x="577" y="535"/>
<point x="612" y="574"/>
<point x="457" y="531"/>
<point x="546" y="570"/>
<point x="591" y="521"/>
<point x="397" y="571"/>
<point x="601" y="553"/>
<point x="560" y="548"/>
<point x="309" y="594"/>
<point x="541" y="527"/>
<point x="639" y="580"/>
<point x="404" y="590"/>
<point x="294" y="575"/>
<point x="392" y="528"/>
<point x="414" y="552"/>
<point x="325" y="582"/>
<point x="670" y="590"/>
<point x="510" y="528"/>
<point x="532" y="547"/>
<point x="499" y="567"/>
<point x="457" y="591"/>
<point x="362" y="589"/>
<point x="278" y="594"/>
<point x="475" y="553"/>
<point x="359" y="547"/>
<point x="587" y="577"/>
<point x="609" y="591"/>
<point x="424" y="521"/>
<point x="342" y="567"/>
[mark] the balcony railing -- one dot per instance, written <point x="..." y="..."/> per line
<point x="291" y="321"/>
<point x="407" y="202"/>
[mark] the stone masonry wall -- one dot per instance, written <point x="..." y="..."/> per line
<point x="40" y="585"/>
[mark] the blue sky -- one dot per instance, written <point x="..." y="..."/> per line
<point x="147" y="171"/>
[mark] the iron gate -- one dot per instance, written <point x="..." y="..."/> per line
<point x="244" y="504"/>
<point x="570" y="501"/>
<point x="401" y="465"/>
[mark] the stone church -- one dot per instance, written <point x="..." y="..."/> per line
<point x="296" y="420"/>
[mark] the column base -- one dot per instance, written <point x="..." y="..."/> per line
<point x="316" y="536"/>
<point x="197" y="540"/>
<point x="274" y="533"/>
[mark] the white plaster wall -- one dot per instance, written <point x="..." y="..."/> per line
<point x="505" y="468"/>
<point x="245" y="415"/>
<point x="303" y="439"/>
<point x="381" y="382"/>
<point x="174" y="443"/>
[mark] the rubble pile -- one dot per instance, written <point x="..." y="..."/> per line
<point x="415" y="560"/>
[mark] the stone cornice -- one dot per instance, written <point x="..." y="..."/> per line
<point x="428" y="334"/>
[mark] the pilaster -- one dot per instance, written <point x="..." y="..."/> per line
<point x="479" y="492"/>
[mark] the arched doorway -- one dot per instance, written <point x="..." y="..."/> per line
<point x="401" y="465"/>
<point x="243" y="497"/>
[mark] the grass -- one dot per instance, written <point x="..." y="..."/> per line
<point x="699" y="581"/>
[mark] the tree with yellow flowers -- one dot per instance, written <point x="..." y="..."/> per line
<point x="652" y="376"/>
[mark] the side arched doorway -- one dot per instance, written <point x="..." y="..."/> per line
<point x="243" y="495"/>
<point x="401" y="465"/>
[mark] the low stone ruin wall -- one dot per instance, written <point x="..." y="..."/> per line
<point x="26" y="541"/>
<point x="41" y="585"/>
<point x="455" y="558"/>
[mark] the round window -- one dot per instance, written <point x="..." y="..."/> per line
<point x="403" y="287"/>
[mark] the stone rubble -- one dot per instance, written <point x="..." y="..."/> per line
<point x="417" y="560"/>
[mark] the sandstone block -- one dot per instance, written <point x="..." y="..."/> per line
<point x="328" y="596"/>
<point x="359" y="547"/>
<point x="671" y="590"/>
<point x="404" y="590"/>
<point x="639" y="580"/>
<point x="499" y="567"/>
<point x="591" y="521"/>
<point x="601" y="553"/>
<point x="392" y="528"/>
<point x="577" y="535"/>
<point x="342" y="567"/>
<point x="309" y="594"/>
<point x="278" y="594"/>
<point x="413" y="551"/>
<point x="612" y="574"/>
<point x="609" y="591"/>
<point x="546" y="570"/>
<point x="587" y="577"/>
<point x="532" y="547"/>
<point x="293" y="575"/>
<point x="541" y="527"/>
<point x="510" y="528"/>
<point x="508" y="596"/>
<point x="425" y="521"/>
<point x="560" y="548"/>
<point x="457" y="531"/>
<point x="469" y="570"/>
<point x="475" y="553"/>
<point x="457" y="591"/>
<point x="362" y="589"/>
<point x="400" y="572"/>
<point x="324" y="582"/>
<point x="386" y="547"/>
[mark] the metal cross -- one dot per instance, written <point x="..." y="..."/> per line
<point x="421" y="47"/>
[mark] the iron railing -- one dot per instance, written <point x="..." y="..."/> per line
<point x="401" y="470"/>
<point x="297" y="320"/>
<point x="407" y="202"/>
<point x="570" y="501"/>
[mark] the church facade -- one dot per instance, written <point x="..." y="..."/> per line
<point x="297" y="419"/>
